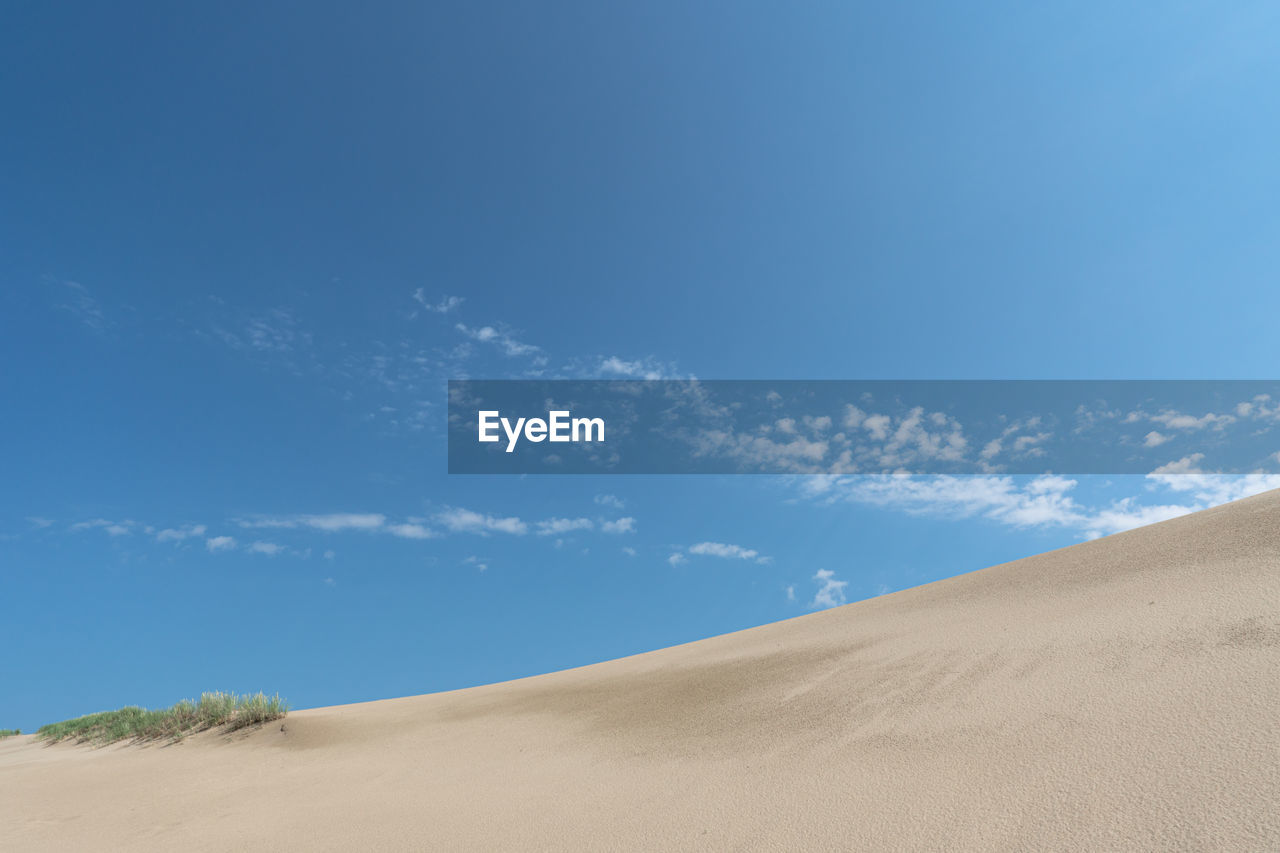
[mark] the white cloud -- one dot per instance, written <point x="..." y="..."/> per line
<point x="81" y="305"/>
<point x="477" y="562"/>
<point x="502" y="340"/>
<point x="276" y="331"/>
<point x="797" y="453"/>
<point x="791" y="592"/>
<point x="830" y="592"/>
<point x="444" y="306"/>
<point x="922" y="436"/>
<point x="818" y="424"/>
<point x="1210" y="489"/>
<point x="647" y="368"/>
<point x="112" y="528"/>
<point x="557" y="526"/>
<point x="1044" y="501"/>
<point x="1185" y="465"/>
<point x="344" y="521"/>
<point x="1178" y="420"/>
<point x="1154" y="439"/>
<point x="330" y="523"/>
<point x="329" y="555"/>
<point x="731" y="552"/>
<point x="612" y="501"/>
<point x="411" y="530"/>
<point x="676" y="559"/>
<point x="879" y="442"/>
<point x="615" y="365"/>
<point x="1173" y="419"/>
<point x="1025" y="445"/>
<point x="460" y="520"/>
<point x="1260" y="407"/>
<point x="220" y="543"/>
<point x="452" y="519"/>
<point x="994" y="497"/>
<point x="37" y="521"/>
<point x="177" y="534"/>
<point x="878" y="426"/>
<point x="621" y="525"/>
<point x="1014" y="445"/>
<point x="268" y="548"/>
<point x="628" y="550"/>
<point x="1127" y="513"/>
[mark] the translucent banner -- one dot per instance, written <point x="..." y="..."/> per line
<point x="863" y="427"/>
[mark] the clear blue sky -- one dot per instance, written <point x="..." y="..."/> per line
<point x="243" y="247"/>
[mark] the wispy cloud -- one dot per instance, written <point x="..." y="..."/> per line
<point x="619" y="525"/>
<point x="1154" y="439"/>
<point x="444" y="306"/>
<point x="271" y="549"/>
<point x="329" y="523"/>
<point x="830" y="591"/>
<point x="557" y="526"/>
<point x="918" y="436"/>
<point x="1207" y="489"/>
<point x="891" y="437"/>
<point x="177" y="534"/>
<point x="275" y="331"/>
<point x="1261" y="407"/>
<point x="644" y="368"/>
<point x="499" y="338"/>
<point x="726" y="551"/>
<point x="611" y="501"/>
<point x="1046" y="501"/>
<point x="220" y="543"/>
<point x="77" y="301"/>
<point x="344" y="522"/>
<point x="411" y="530"/>
<point x="112" y="528"/>
<point x="1172" y="419"/>
<point x="1020" y="440"/>
<point x="791" y="452"/>
<point x="460" y="520"/>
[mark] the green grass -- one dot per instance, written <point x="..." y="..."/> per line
<point x="10" y="732"/>
<point x="184" y="718"/>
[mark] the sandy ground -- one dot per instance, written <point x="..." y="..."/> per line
<point x="1119" y="694"/>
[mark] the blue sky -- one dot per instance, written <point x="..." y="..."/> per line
<point x="244" y="248"/>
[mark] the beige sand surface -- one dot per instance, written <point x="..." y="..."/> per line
<point x="1119" y="694"/>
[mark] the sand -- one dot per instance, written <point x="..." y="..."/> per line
<point x="1118" y="694"/>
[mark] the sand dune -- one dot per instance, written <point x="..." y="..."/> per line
<point x="1118" y="694"/>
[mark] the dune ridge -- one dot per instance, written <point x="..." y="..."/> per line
<point x="1117" y="694"/>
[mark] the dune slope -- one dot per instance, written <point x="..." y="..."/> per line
<point x="1118" y="694"/>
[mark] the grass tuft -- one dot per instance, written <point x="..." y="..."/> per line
<point x="10" y="732"/>
<point x="184" y="718"/>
